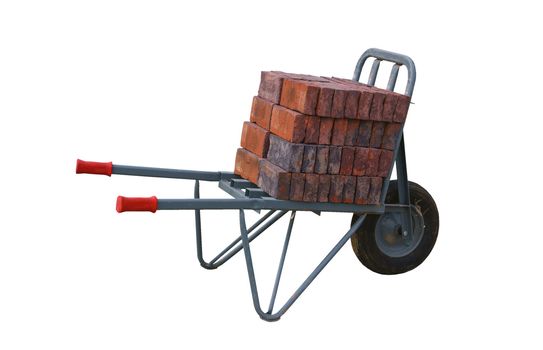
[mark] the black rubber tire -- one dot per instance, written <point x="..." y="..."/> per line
<point x="365" y="246"/>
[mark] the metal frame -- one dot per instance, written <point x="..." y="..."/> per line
<point x="247" y="195"/>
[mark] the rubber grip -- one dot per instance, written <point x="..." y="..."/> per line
<point x="84" y="167"/>
<point x="137" y="204"/>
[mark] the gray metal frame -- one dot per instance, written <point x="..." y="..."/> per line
<point x="247" y="195"/>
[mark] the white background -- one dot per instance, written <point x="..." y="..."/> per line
<point x="169" y="84"/>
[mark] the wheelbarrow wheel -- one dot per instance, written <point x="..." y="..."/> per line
<point x="379" y="243"/>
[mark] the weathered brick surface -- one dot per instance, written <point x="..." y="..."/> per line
<point x="362" y="190"/>
<point x="351" y="104"/>
<point x="377" y="105"/>
<point x="325" y="131"/>
<point x="255" y="139"/>
<point x="297" y="181"/>
<point x="377" y="131"/>
<point x="360" y="161"/>
<point x="286" y="155"/>
<point x="288" y="124"/>
<point x="392" y="132"/>
<point x="311" y="187"/>
<point x="308" y="163"/>
<point x="385" y="163"/>
<point x="338" y="102"/>
<point x="336" y="188"/>
<point x="274" y="180"/>
<point x="364" y="133"/>
<point x="400" y="112"/>
<point x="247" y="165"/>
<point x="339" y="131"/>
<point x="389" y="106"/>
<point x="321" y="161"/>
<point x="372" y="164"/>
<point x="261" y="112"/>
<point x="271" y="84"/>
<point x="376" y="183"/>
<point x="334" y="160"/>
<point x="347" y="160"/>
<point x="352" y="132"/>
<point x="324" y="102"/>
<point x="364" y="105"/>
<point x="349" y="189"/>
<point x="312" y="130"/>
<point x="324" y="188"/>
<point x="300" y="95"/>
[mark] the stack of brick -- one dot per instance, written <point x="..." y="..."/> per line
<point x="318" y="139"/>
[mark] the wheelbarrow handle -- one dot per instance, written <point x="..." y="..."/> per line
<point x="137" y="204"/>
<point x="97" y="168"/>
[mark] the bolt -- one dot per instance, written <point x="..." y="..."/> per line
<point x="405" y="233"/>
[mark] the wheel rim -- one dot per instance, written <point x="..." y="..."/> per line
<point x="392" y="240"/>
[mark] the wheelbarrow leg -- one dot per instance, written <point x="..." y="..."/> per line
<point x="403" y="188"/>
<point x="234" y="247"/>
<point x="270" y="316"/>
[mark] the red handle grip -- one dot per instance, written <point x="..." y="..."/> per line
<point x="83" y="167"/>
<point x="137" y="204"/>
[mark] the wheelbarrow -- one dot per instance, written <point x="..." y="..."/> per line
<point x="392" y="237"/>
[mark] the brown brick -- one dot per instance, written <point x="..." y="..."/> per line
<point x="324" y="188"/>
<point x="338" y="102"/>
<point x="372" y="164"/>
<point x="247" y="165"/>
<point x="334" y="160"/>
<point x="377" y="132"/>
<point x="288" y="124"/>
<point x="321" y="161"/>
<point x="349" y="189"/>
<point x="286" y="155"/>
<point x="392" y="132"/>
<point x="389" y="106"/>
<point x="271" y="84"/>
<point x="324" y="102"/>
<point x="364" y="105"/>
<point x="365" y="98"/>
<point x="377" y="105"/>
<point x="360" y="161"/>
<point x="385" y="163"/>
<point x="325" y="131"/>
<point x="336" y="188"/>
<point x="308" y="163"/>
<point x="312" y="129"/>
<point x="376" y="183"/>
<point x="261" y="112"/>
<point x="311" y="187"/>
<point x="300" y="95"/>
<point x="347" y="161"/>
<point x="297" y="181"/>
<point x="364" y="133"/>
<point x="362" y="190"/>
<point x="255" y="139"/>
<point x="400" y="113"/>
<point x="274" y="180"/>
<point x="352" y="132"/>
<point x="339" y="132"/>
<point x="351" y="104"/>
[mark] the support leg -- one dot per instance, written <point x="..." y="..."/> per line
<point x="403" y="188"/>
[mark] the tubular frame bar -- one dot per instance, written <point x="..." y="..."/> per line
<point x="170" y="173"/>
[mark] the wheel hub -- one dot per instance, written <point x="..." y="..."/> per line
<point x="391" y="237"/>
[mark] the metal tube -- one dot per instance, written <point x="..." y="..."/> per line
<point x="373" y="72"/>
<point x="169" y="173"/>
<point x="393" y="77"/>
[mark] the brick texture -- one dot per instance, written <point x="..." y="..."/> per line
<point x="300" y="95"/>
<point x="297" y="181"/>
<point x="311" y="187"/>
<point x="261" y="112"/>
<point x="324" y="188"/>
<point x="274" y="180"/>
<point x="247" y="165"/>
<point x="288" y="124"/>
<point x="255" y="139"/>
<point x="286" y="155"/>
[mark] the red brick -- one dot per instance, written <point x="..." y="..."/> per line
<point x="351" y="104"/>
<point x="391" y="135"/>
<point x="311" y="187"/>
<point x="400" y="113"/>
<point x="312" y="130"/>
<point x="364" y="133"/>
<point x="286" y="155"/>
<point x="247" y="165"/>
<point x="372" y="165"/>
<point x="274" y="180"/>
<point x="324" y="188"/>
<point x="339" y="132"/>
<point x="376" y="183"/>
<point x="297" y="181"/>
<point x="347" y="161"/>
<point x="360" y="161"/>
<point x="321" y="161"/>
<point x="385" y="163"/>
<point x="377" y="132"/>
<point x="255" y="139"/>
<point x="377" y="105"/>
<point x="389" y="106"/>
<point x="334" y="160"/>
<point x="349" y="189"/>
<point x="362" y="190"/>
<point x="352" y="132"/>
<point x="288" y="124"/>
<point x="338" y="102"/>
<point x="300" y="95"/>
<point x="261" y="112"/>
<point x="364" y="105"/>
<point x="271" y="84"/>
<point x="308" y="163"/>
<point x="336" y="188"/>
<point x="325" y="131"/>
<point x="324" y="102"/>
